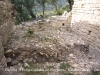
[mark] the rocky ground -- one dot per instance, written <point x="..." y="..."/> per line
<point x="37" y="45"/>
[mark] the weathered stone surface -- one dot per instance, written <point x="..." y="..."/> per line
<point x="1" y="53"/>
<point x="9" y="60"/>
<point x="15" y="62"/>
<point x="9" y="51"/>
<point x="3" y="62"/>
<point x="86" y="20"/>
<point x="6" y="23"/>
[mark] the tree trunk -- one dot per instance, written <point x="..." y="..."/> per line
<point x="43" y="9"/>
<point x="56" y="7"/>
<point x="32" y="14"/>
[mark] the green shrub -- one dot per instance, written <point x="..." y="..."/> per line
<point x="63" y="65"/>
<point x="66" y="8"/>
<point x="17" y="22"/>
<point x="17" y="19"/>
<point x="30" y="31"/>
<point x="96" y="72"/>
<point x="69" y="74"/>
<point x="59" y="12"/>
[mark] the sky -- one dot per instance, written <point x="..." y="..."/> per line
<point x="50" y="7"/>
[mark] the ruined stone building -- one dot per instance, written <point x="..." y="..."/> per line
<point x="86" y="22"/>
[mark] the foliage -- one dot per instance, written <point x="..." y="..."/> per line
<point x="59" y="12"/>
<point x="24" y="10"/>
<point x="71" y="2"/>
<point x="95" y="72"/>
<point x="42" y="4"/>
<point x="64" y="65"/>
<point x="54" y="3"/>
<point x="30" y="33"/>
<point x="29" y="6"/>
<point x="67" y="8"/>
<point x="50" y="67"/>
<point x="69" y="74"/>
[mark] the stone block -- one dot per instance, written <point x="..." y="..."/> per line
<point x="3" y="62"/>
<point x="96" y="12"/>
<point x="1" y="53"/>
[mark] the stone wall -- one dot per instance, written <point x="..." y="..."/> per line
<point x="62" y="22"/>
<point x="86" y="21"/>
<point x="6" y="24"/>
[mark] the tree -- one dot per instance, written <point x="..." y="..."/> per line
<point x="24" y="9"/>
<point x="42" y="4"/>
<point x="54" y="3"/>
<point x="19" y="7"/>
<point x="29" y="4"/>
<point x="71" y="2"/>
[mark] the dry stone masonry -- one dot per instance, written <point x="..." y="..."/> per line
<point x="86" y="21"/>
<point x="6" y="25"/>
<point x="62" y="21"/>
